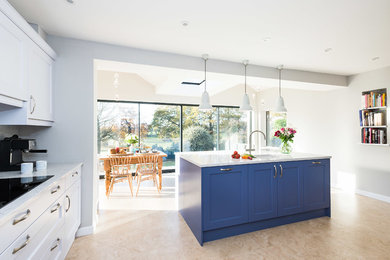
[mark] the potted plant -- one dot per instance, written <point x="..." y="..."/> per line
<point x="131" y="139"/>
<point x="286" y="135"/>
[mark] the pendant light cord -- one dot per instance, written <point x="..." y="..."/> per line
<point x="245" y="76"/>
<point x="280" y="82"/>
<point x="205" y="67"/>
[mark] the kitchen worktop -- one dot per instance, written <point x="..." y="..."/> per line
<point x="219" y="158"/>
<point x="55" y="170"/>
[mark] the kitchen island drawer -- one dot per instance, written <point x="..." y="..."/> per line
<point x="25" y="246"/>
<point x="20" y="219"/>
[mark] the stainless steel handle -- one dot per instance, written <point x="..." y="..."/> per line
<point x="316" y="162"/>
<point x="68" y="203"/>
<point x="75" y="173"/>
<point x="17" y="220"/>
<point x="56" y="208"/>
<point x="56" y="189"/>
<point x="57" y="244"/>
<point x="281" y="171"/>
<point x="276" y="171"/>
<point x="226" y="169"/>
<point x="32" y="101"/>
<point x="17" y="249"/>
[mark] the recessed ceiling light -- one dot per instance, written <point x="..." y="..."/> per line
<point x="185" y="23"/>
<point x="375" y="58"/>
<point x="328" y="50"/>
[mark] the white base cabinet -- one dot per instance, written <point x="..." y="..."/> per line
<point x="49" y="234"/>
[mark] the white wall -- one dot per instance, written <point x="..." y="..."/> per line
<point x="328" y="123"/>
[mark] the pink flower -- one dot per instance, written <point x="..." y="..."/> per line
<point x="282" y="129"/>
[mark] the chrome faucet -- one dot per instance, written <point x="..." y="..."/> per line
<point x="250" y="140"/>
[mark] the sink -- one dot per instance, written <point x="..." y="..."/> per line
<point x="265" y="156"/>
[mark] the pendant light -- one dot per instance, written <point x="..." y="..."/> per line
<point x="279" y="106"/>
<point x="205" y="99"/>
<point x="245" y="105"/>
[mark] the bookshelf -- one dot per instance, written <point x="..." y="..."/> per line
<point x="374" y="117"/>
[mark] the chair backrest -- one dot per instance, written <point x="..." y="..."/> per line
<point x="120" y="165"/>
<point x="147" y="161"/>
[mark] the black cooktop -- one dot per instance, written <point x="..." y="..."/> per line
<point x="11" y="189"/>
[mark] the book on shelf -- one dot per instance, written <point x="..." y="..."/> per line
<point x="372" y="118"/>
<point x="373" y="99"/>
<point x="373" y="136"/>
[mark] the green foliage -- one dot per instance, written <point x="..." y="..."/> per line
<point x="279" y="123"/>
<point x="131" y="139"/>
<point x="199" y="139"/>
<point x="166" y="122"/>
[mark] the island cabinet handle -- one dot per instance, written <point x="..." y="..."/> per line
<point x="281" y="171"/>
<point x="226" y="169"/>
<point x="17" y="220"/>
<point x="56" y="245"/>
<point x="56" y="189"/>
<point x="68" y="203"/>
<point x="276" y="171"/>
<point x="316" y="162"/>
<point x="75" y="173"/>
<point x="56" y="208"/>
<point x="17" y="249"/>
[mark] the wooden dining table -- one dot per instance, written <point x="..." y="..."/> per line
<point x="134" y="160"/>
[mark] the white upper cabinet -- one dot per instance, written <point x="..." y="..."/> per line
<point x="26" y="62"/>
<point x="12" y="61"/>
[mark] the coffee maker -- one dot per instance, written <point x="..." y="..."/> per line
<point x="11" y="152"/>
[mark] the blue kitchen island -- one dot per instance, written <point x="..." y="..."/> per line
<point x="221" y="197"/>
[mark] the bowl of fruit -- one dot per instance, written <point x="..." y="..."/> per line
<point x="236" y="156"/>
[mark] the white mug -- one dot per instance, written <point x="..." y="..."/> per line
<point x="26" y="168"/>
<point x="41" y="165"/>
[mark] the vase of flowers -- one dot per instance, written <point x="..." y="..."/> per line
<point x="131" y="139"/>
<point x="286" y="135"/>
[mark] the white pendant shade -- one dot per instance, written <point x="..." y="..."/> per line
<point x="205" y="102"/>
<point x="245" y="105"/>
<point x="279" y="107"/>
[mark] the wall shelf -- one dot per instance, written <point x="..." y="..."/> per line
<point x="374" y="119"/>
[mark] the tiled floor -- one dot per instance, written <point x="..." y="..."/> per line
<point x="150" y="229"/>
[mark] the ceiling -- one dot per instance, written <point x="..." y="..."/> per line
<point x="269" y="33"/>
<point x="167" y="81"/>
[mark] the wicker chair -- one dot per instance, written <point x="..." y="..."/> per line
<point x="120" y="171"/>
<point x="147" y="169"/>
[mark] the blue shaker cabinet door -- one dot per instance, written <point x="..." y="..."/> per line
<point x="224" y="196"/>
<point x="262" y="191"/>
<point x="316" y="184"/>
<point x="290" y="188"/>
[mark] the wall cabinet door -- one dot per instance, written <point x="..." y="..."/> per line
<point x="290" y="188"/>
<point x="72" y="215"/>
<point x="224" y="196"/>
<point x="12" y="62"/>
<point x="316" y="184"/>
<point x="262" y="191"/>
<point x="39" y="83"/>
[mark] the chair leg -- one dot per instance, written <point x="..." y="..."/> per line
<point x="155" y="181"/>
<point x="130" y="184"/>
<point x="139" y="182"/>
<point x="110" y="188"/>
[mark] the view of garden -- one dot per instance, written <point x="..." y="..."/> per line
<point x="170" y="128"/>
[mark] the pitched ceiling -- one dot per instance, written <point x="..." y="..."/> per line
<point x="268" y="33"/>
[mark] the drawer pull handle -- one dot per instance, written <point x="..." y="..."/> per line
<point x="56" y="189"/>
<point x="276" y="172"/>
<point x="316" y="162"/>
<point x="16" y="221"/>
<point x="56" y="208"/>
<point x="75" y="173"/>
<point x="22" y="246"/>
<point x="68" y="203"/>
<point x="33" y="103"/>
<point x="56" y="245"/>
<point x="226" y="169"/>
<point x="281" y="171"/>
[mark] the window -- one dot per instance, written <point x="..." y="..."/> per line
<point x="170" y="128"/>
<point x="275" y="121"/>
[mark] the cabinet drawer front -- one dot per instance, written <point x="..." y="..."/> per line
<point x="262" y="191"/>
<point x="316" y="184"/>
<point x="23" y="217"/>
<point x="29" y="241"/>
<point x="73" y="177"/>
<point x="224" y="196"/>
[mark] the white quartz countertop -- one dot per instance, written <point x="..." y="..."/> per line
<point x="220" y="158"/>
<point x="55" y="170"/>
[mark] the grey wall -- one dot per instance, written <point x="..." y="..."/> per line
<point x="73" y="138"/>
<point x="7" y="131"/>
